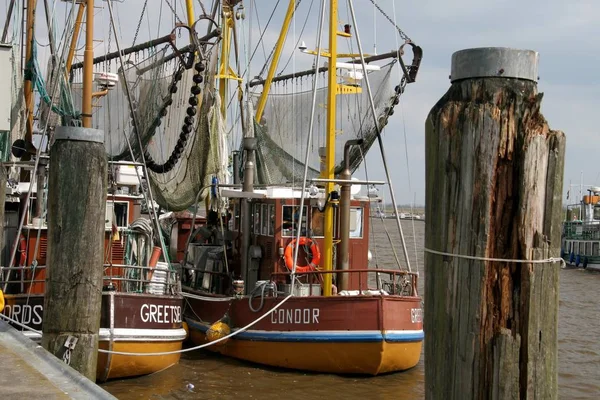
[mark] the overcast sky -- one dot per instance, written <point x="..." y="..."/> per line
<point x="564" y="33"/>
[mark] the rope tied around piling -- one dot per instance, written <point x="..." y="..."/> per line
<point x="494" y="259"/>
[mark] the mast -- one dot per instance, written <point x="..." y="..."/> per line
<point x="262" y="101"/>
<point x="330" y="145"/>
<point x="28" y="86"/>
<point x="88" y="66"/>
<point x="75" y="37"/>
<point x="7" y="23"/>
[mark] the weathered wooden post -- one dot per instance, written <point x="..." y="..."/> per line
<point x="76" y="213"/>
<point x="494" y="180"/>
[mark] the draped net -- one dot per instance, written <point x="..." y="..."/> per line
<point x="150" y="81"/>
<point x="283" y="129"/>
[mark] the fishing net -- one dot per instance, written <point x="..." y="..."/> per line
<point x="283" y="130"/>
<point x="162" y="95"/>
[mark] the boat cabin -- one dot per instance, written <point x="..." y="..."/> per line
<point x="123" y="207"/>
<point x="274" y="224"/>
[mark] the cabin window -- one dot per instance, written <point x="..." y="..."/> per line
<point x="597" y="212"/>
<point x="356" y="225"/>
<point x="117" y="212"/>
<point x="271" y="219"/>
<point x="265" y="219"/>
<point x="317" y="222"/>
<point x="256" y="218"/>
<point x="595" y="249"/>
<point x="290" y="216"/>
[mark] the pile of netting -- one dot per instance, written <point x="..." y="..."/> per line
<point x="283" y="130"/>
<point x="180" y="126"/>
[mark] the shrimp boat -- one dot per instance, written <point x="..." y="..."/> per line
<point x="142" y="305"/>
<point x="580" y="245"/>
<point x="278" y="271"/>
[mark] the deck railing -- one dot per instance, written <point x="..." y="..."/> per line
<point x="398" y="282"/>
<point x="581" y="230"/>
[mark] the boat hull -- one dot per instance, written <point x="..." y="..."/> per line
<point x="581" y="253"/>
<point x="122" y="366"/>
<point x="343" y="335"/>
<point x="130" y="323"/>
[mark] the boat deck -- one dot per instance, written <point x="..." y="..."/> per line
<point x="28" y="371"/>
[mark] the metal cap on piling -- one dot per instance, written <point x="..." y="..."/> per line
<point x="500" y="62"/>
<point x="78" y="133"/>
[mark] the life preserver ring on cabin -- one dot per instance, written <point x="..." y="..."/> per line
<point x="315" y="254"/>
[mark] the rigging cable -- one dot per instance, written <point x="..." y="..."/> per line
<point x="260" y="41"/>
<point x="299" y="38"/>
<point x="309" y="139"/>
<point x="400" y="73"/>
<point x="400" y="32"/>
<point x="148" y="195"/>
<point x="38" y="152"/>
<point x="379" y="138"/>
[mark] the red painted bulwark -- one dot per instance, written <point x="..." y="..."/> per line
<point x="142" y="311"/>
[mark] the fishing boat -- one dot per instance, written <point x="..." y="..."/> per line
<point x="580" y="245"/>
<point x="279" y="272"/>
<point x="141" y="308"/>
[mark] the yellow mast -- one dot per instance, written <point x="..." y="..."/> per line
<point x="225" y="72"/>
<point x="75" y="37"/>
<point x="189" y="7"/>
<point x="224" y="69"/>
<point x="262" y="101"/>
<point x="88" y="66"/>
<point x="330" y="145"/>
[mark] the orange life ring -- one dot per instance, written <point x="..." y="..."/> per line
<point x="314" y="251"/>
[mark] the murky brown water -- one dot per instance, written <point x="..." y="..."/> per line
<point x="217" y="377"/>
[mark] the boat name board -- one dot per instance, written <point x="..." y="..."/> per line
<point x="160" y="313"/>
<point x="25" y="313"/>
<point x="295" y="316"/>
<point x="416" y="315"/>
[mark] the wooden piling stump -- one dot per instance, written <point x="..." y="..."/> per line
<point x="76" y="214"/>
<point x="494" y="181"/>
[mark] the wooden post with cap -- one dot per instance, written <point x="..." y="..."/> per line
<point x="76" y="213"/>
<point x="77" y="188"/>
<point x="494" y="176"/>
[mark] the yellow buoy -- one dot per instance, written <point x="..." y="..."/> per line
<point x="217" y="331"/>
<point x="1" y="301"/>
<point x="186" y="328"/>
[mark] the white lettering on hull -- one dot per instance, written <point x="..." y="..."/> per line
<point x="295" y="316"/>
<point x="25" y="313"/>
<point x="416" y="315"/>
<point x="162" y="314"/>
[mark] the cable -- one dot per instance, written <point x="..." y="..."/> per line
<point x="202" y="346"/>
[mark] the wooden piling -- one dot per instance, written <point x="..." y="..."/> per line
<point x="76" y="214"/>
<point x="494" y="173"/>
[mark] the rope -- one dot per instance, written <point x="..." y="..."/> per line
<point x="509" y="260"/>
<point x="232" y="334"/>
<point x="14" y="321"/>
<point x="204" y="298"/>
